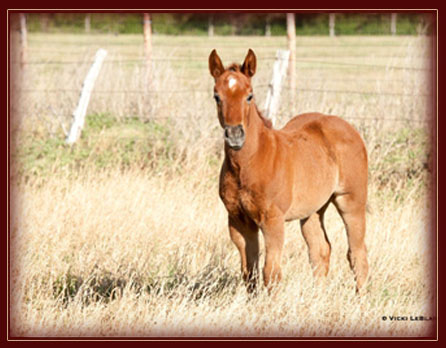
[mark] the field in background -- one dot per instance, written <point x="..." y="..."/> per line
<point x="124" y="234"/>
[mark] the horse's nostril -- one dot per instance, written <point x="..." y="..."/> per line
<point x="226" y="133"/>
<point x="241" y="132"/>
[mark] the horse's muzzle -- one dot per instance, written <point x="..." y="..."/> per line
<point x="235" y="137"/>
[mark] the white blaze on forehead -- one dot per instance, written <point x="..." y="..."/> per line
<point x="231" y="82"/>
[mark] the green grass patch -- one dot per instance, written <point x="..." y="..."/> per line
<point x="104" y="143"/>
<point x="400" y="162"/>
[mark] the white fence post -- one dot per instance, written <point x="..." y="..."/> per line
<point x="81" y="109"/>
<point x="211" y="25"/>
<point x="23" y="40"/>
<point x="331" y="24"/>
<point x="268" y="25"/>
<point x="291" y="31"/>
<point x="393" y="23"/>
<point x="273" y="95"/>
<point x="148" y="38"/>
<point x="87" y="22"/>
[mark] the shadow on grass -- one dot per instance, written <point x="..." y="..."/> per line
<point x="105" y="287"/>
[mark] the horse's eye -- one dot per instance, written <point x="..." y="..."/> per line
<point x="217" y="98"/>
<point x="249" y="97"/>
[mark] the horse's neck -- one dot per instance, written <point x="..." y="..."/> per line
<point x="256" y="129"/>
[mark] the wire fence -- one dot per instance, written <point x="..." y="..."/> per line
<point x="209" y="91"/>
<point x="201" y="59"/>
<point x="343" y="71"/>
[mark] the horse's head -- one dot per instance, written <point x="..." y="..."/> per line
<point x="233" y="95"/>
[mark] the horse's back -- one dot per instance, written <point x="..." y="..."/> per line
<point x="326" y="122"/>
<point x="336" y="131"/>
<point x="298" y="121"/>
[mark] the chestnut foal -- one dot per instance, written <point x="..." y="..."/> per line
<point x="271" y="176"/>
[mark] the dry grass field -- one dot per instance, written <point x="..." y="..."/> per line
<point x="124" y="234"/>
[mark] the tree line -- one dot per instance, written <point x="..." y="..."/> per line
<point x="227" y="23"/>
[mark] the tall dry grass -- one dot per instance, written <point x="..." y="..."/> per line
<point x="142" y="249"/>
<point x="130" y="254"/>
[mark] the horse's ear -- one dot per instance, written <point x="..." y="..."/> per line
<point x="216" y="67"/>
<point x="250" y="63"/>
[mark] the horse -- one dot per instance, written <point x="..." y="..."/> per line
<point x="270" y="176"/>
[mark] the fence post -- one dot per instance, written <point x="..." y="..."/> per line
<point x="148" y="74"/>
<point x="87" y="23"/>
<point x="44" y="21"/>
<point x="148" y="38"/>
<point x="268" y="25"/>
<point x="17" y="76"/>
<point x="331" y="24"/>
<point x="211" y="25"/>
<point x="291" y="31"/>
<point x="233" y="22"/>
<point x="393" y="23"/>
<point x="273" y="94"/>
<point x="23" y="40"/>
<point x="81" y="109"/>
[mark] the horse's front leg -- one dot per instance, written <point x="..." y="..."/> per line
<point x="244" y="234"/>
<point x="273" y="232"/>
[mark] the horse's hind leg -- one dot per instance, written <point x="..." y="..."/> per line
<point x="352" y="210"/>
<point x="319" y="248"/>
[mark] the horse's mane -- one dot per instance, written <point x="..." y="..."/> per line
<point x="266" y="121"/>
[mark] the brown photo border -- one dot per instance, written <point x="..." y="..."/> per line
<point x="436" y="238"/>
